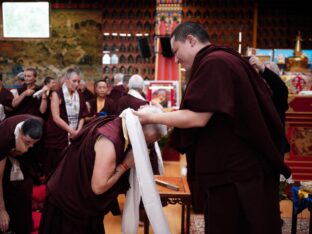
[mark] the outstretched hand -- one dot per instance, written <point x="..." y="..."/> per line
<point x="143" y="116"/>
<point x="154" y="103"/>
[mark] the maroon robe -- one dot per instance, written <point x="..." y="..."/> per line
<point x="87" y="94"/>
<point x="239" y="144"/>
<point x="117" y="92"/>
<point x="28" y="105"/>
<point x="130" y="101"/>
<point x="6" y="98"/>
<point x="56" y="138"/>
<point x="72" y="206"/>
<point x="109" y="107"/>
<point x="17" y="194"/>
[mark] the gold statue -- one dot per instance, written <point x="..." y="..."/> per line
<point x="298" y="62"/>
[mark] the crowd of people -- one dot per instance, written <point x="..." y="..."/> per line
<point x="229" y="125"/>
<point x="67" y="112"/>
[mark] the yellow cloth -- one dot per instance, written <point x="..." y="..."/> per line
<point x="99" y="105"/>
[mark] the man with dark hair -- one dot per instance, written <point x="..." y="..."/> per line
<point x="18" y="134"/>
<point x="6" y="98"/>
<point x="231" y="134"/>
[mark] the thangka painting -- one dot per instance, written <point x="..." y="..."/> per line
<point x="300" y="140"/>
<point x="75" y="42"/>
<point x="297" y="81"/>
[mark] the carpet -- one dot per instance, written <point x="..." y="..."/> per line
<point x="198" y="225"/>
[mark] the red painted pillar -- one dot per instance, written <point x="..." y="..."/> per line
<point x="168" y="17"/>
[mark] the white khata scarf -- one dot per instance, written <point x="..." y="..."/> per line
<point x="160" y="161"/>
<point x="142" y="183"/>
<point x="16" y="173"/>
<point x="2" y="113"/>
<point x="72" y="104"/>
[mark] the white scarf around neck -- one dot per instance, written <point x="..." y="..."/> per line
<point x="72" y="104"/>
<point x="136" y="94"/>
<point x="2" y="113"/>
<point x="16" y="173"/>
<point x="142" y="184"/>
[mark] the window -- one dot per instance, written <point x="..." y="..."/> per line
<point x="25" y="20"/>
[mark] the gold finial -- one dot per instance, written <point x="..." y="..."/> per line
<point x="298" y="51"/>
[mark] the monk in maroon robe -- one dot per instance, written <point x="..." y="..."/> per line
<point x="24" y="102"/>
<point x="18" y="134"/>
<point x="6" y="98"/>
<point x="74" y="204"/>
<point x="101" y="105"/>
<point x="118" y="90"/>
<point x="89" y="178"/>
<point x="108" y="108"/>
<point x="231" y="134"/>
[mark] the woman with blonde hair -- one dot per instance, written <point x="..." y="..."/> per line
<point x="68" y="110"/>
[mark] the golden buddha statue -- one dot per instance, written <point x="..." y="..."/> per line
<point x="298" y="62"/>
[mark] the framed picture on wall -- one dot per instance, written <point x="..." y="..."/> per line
<point x="166" y="93"/>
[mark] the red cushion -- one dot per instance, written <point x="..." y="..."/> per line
<point x="39" y="192"/>
<point x="36" y="216"/>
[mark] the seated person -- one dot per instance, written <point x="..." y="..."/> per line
<point x="90" y="176"/>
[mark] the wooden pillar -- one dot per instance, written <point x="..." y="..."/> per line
<point x="255" y="26"/>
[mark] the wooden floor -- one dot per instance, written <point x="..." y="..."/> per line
<point x="173" y="212"/>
